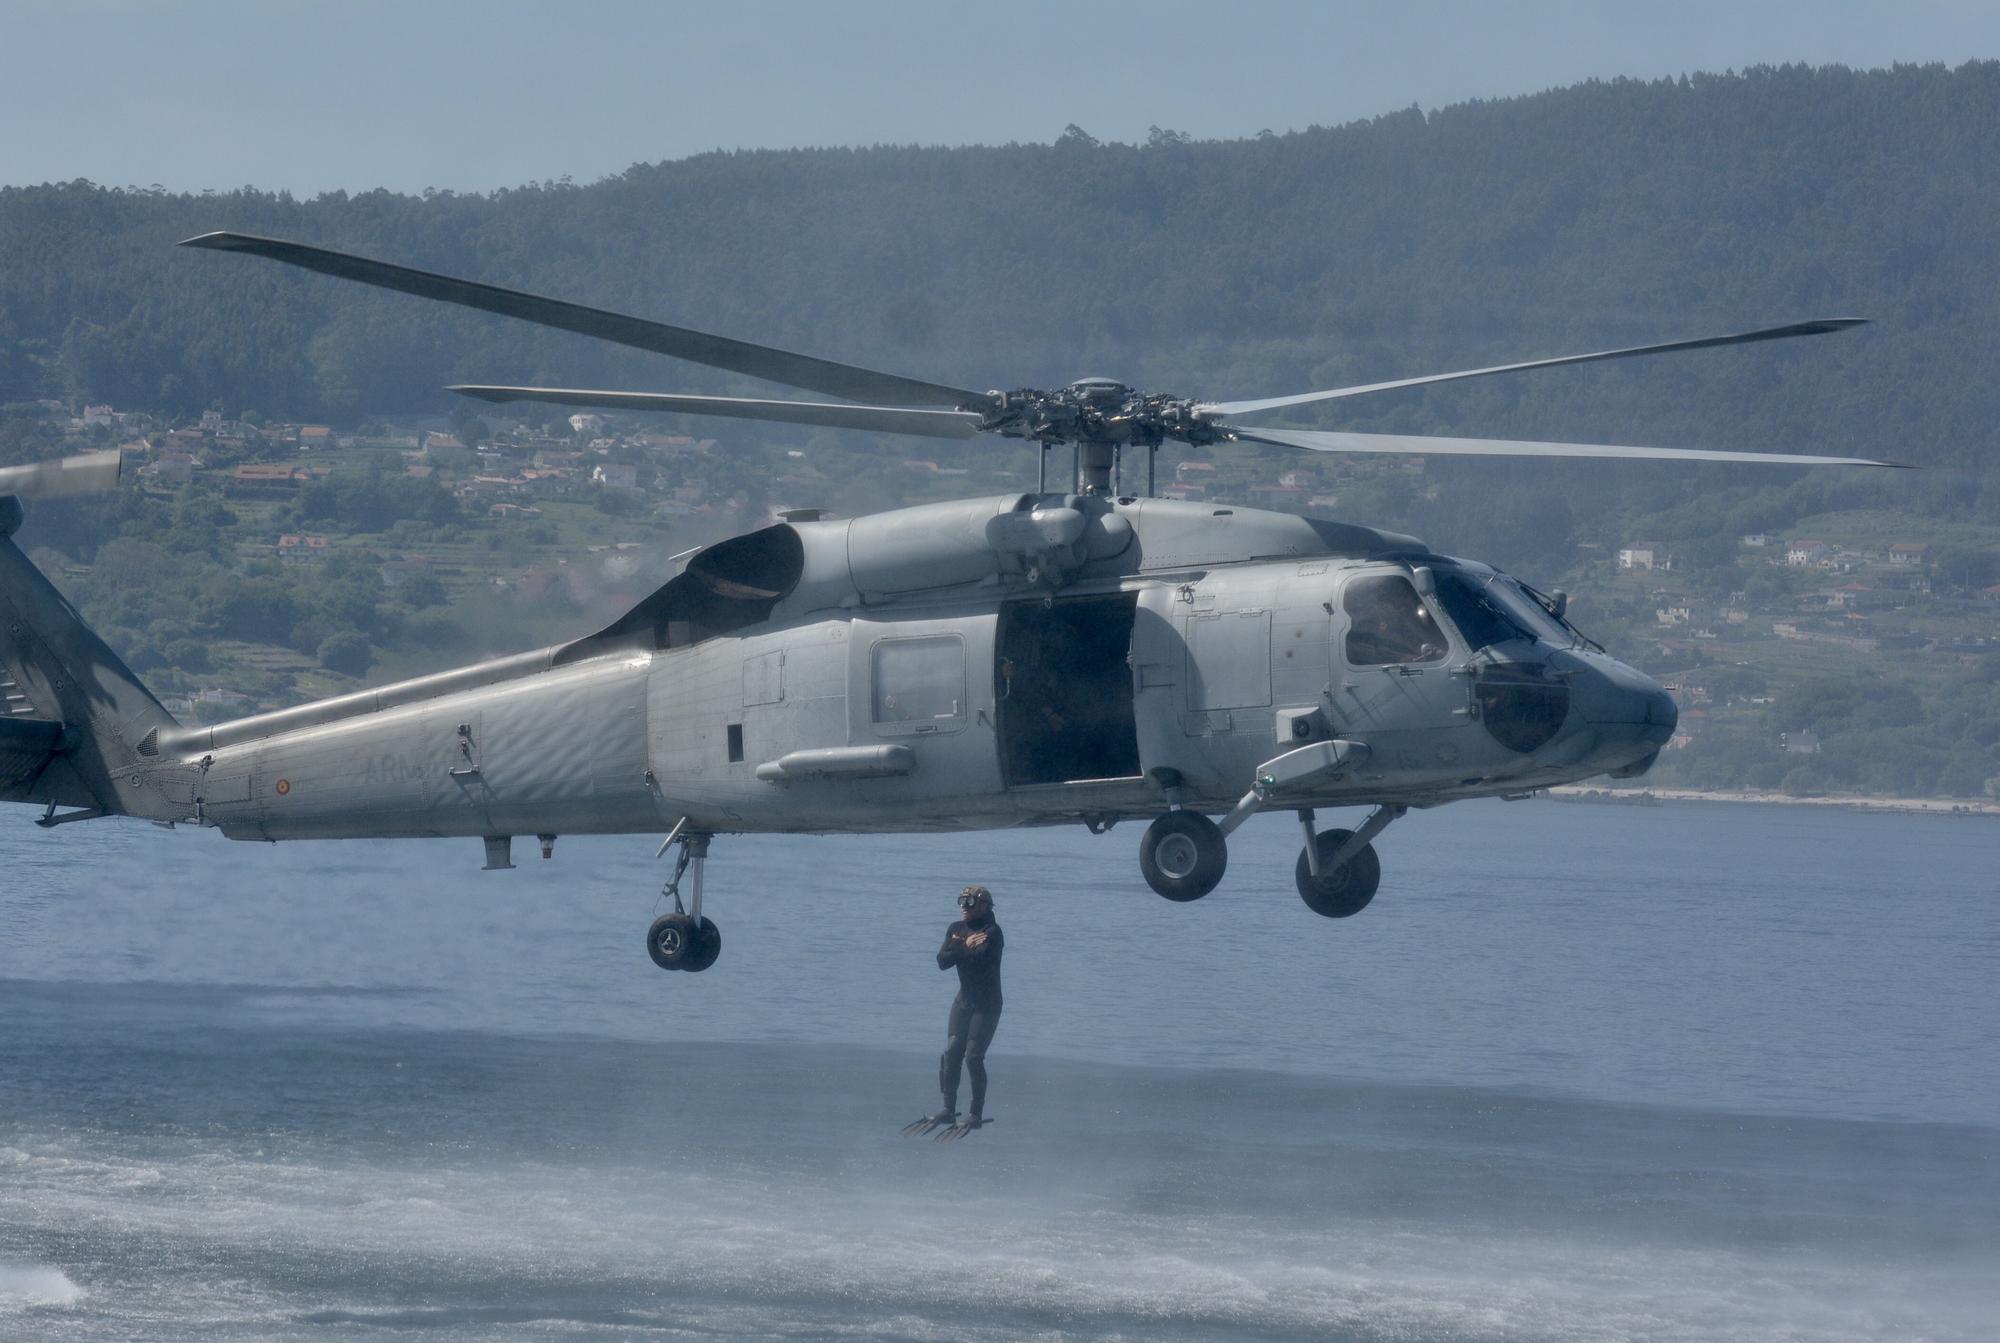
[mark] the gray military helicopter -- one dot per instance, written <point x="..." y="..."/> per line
<point x="1089" y="655"/>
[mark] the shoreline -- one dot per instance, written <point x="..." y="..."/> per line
<point x="1916" y="806"/>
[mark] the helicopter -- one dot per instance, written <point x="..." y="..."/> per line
<point x="1084" y="655"/>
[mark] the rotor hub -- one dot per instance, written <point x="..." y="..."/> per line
<point x="1099" y="413"/>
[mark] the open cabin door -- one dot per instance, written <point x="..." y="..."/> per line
<point x="1063" y="680"/>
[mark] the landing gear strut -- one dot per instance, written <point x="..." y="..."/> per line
<point x="684" y="940"/>
<point x="1338" y="870"/>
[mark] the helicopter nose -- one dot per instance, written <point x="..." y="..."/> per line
<point x="1625" y="702"/>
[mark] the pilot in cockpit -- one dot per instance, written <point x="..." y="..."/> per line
<point x="1389" y="623"/>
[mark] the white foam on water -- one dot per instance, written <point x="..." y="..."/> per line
<point x="34" y="1286"/>
<point x="675" y="1243"/>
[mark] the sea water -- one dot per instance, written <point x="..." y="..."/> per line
<point x="1580" y="1073"/>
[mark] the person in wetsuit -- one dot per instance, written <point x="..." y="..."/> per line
<point x="973" y="946"/>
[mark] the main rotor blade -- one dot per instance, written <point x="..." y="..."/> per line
<point x="1323" y="441"/>
<point x="884" y="419"/>
<point x="82" y="474"/>
<point x="1817" y="328"/>
<point x="700" y="347"/>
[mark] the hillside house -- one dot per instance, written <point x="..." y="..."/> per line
<point x="545" y="483"/>
<point x="302" y="549"/>
<point x="1805" y="554"/>
<point x="1643" y="555"/>
<point x="266" y="478"/>
<point x="616" y="475"/>
<point x="1909" y="552"/>
<point x="171" y="468"/>
<point x="1284" y="498"/>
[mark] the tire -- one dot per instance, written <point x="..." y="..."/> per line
<point x="1344" y="892"/>
<point x="1183" y="855"/>
<point x="708" y="945"/>
<point x="672" y="942"/>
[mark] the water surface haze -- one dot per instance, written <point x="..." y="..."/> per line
<point x="1580" y="1073"/>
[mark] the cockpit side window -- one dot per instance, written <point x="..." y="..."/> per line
<point x="1388" y="623"/>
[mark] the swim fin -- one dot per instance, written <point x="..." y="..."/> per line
<point x="961" y="1128"/>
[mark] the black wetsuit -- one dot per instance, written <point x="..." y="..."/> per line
<point x="975" y="1012"/>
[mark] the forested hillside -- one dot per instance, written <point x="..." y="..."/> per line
<point x="1600" y="214"/>
<point x="1605" y="214"/>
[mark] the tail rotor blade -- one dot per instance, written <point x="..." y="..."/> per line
<point x="1216" y="409"/>
<point x="1422" y="445"/>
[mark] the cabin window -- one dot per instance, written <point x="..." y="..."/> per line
<point x="919" y="682"/>
<point x="1388" y="623"/>
<point x="736" y="743"/>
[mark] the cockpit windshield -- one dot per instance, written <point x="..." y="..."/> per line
<point x="1491" y="608"/>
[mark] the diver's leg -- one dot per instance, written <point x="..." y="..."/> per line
<point x="954" y="1053"/>
<point x="979" y="1034"/>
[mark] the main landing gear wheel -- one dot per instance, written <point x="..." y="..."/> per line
<point x="671" y="940"/>
<point x="677" y="942"/>
<point x="1183" y="855"/>
<point x="708" y="945"/>
<point x="1338" y="892"/>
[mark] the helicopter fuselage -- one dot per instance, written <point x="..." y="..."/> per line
<point x="1027" y="660"/>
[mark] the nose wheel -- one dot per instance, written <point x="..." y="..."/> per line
<point x="684" y="939"/>
<point x="1183" y="855"/>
